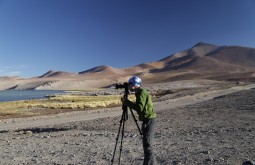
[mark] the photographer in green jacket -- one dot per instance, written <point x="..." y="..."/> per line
<point x="144" y="107"/>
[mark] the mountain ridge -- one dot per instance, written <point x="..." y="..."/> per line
<point x="202" y="60"/>
<point x="180" y="60"/>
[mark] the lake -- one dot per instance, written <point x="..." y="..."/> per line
<point x="14" y="95"/>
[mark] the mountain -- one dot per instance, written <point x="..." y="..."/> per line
<point x="53" y="73"/>
<point x="102" y="68"/>
<point x="211" y="58"/>
<point x="201" y="61"/>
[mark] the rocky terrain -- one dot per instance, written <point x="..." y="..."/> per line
<point x="196" y="127"/>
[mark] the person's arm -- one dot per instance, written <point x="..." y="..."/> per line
<point x="139" y="104"/>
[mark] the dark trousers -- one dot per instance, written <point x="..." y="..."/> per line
<point x="148" y="128"/>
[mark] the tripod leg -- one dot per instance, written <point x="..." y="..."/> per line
<point x="117" y="139"/>
<point x="122" y="135"/>
<point x="136" y="122"/>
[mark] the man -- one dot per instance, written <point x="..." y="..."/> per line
<point x="144" y="107"/>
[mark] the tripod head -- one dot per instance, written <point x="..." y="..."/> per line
<point x="126" y="93"/>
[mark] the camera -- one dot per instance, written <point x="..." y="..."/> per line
<point x="123" y="85"/>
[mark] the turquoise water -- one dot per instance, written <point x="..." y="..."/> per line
<point x="14" y="95"/>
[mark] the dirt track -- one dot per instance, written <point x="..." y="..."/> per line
<point x="214" y="127"/>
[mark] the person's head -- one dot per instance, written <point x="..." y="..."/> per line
<point x="134" y="83"/>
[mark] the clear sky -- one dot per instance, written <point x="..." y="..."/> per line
<point x="76" y="35"/>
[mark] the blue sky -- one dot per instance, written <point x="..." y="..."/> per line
<point x="76" y="35"/>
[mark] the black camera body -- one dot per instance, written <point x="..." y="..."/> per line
<point x="123" y="85"/>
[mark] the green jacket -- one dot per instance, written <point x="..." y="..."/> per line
<point x="143" y="105"/>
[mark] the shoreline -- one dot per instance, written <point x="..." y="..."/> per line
<point x="24" y="95"/>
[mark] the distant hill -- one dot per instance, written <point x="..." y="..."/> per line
<point x="210" y="58"/>
<point x="202" y="61"/>
<point x="102" y="68"/>
<point x="52" y="73"/>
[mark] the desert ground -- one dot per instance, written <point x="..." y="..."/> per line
<point x="199" y="122"/>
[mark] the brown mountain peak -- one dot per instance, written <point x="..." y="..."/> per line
<point x="97" y="69"/>
<point x="202" y="44"/>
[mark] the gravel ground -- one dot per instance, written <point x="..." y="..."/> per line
<point x="220" y="131"/>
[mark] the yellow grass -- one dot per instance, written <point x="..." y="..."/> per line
<point x="60" y="102"/>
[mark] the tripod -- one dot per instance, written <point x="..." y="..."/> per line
<point x="124" y="117"/>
